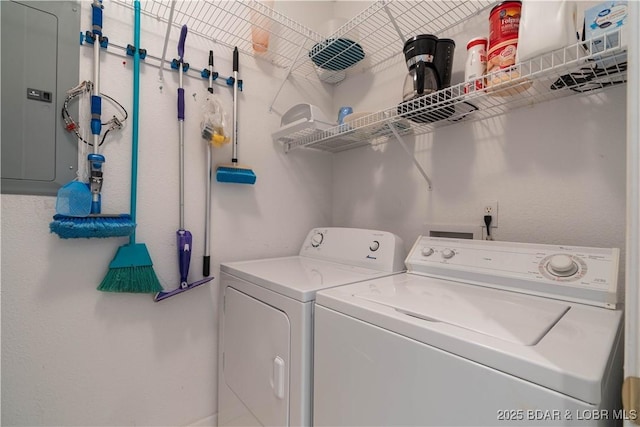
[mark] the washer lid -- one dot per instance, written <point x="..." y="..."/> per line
<point x="299" y="277"/>
<point x="505" y="315"/>
<point x="575" y="348"/>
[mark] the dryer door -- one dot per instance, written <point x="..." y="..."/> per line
<point x="256" y="356"/>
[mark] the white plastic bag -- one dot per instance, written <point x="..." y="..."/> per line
<point x="546" y="26"/>
<point x="214" y="122"/>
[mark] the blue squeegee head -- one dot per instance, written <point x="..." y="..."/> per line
<point x="235" y="175"/>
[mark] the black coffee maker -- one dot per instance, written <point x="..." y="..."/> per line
<point x="430" y="61"/>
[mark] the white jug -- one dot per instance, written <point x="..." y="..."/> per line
<point x="546" y="26"/>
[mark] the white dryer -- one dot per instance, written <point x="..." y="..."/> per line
<point x="474" y="333"/>
<point x="265" y="357"/>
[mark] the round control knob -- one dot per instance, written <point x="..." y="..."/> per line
<point x="374" y="246"/>
<point x="427" y="251"/>
<point x="447" y="253"/>
<point x="562" y="265"/>
<point x="317" y="239"/>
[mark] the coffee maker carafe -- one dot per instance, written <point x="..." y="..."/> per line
<point x="430" y="61"/>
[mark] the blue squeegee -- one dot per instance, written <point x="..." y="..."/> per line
<point x="235" y="173"/>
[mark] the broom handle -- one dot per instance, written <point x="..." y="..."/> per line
<point x="136" y="106"/>
<point x="234" y="158"/>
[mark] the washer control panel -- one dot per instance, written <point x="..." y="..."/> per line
<point x="573" y="273"/>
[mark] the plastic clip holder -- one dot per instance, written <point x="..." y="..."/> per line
<point x="205" y="74"/>
<point x="131" y="51"/>
<point x="175" y="64"/>
<point x="89" y="37"/>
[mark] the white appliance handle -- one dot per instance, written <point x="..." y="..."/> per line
<point x="277" y="382"/>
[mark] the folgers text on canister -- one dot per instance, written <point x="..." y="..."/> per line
<point x="504" y="23"/>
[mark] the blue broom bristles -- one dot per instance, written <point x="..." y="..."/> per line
<point x="68" y="227"/>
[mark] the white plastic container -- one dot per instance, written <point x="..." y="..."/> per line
<point x="306" y="118"/>
<point x="476" y="64"/>
<point x="546" y="26"/>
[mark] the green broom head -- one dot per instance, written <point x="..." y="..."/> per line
<point x="94" y="226"/>
<point x="131" y="270"/>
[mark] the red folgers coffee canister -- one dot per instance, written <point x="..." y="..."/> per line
<point x="504" y="23"/>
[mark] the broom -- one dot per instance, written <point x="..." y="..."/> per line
<point x="131" y="270"/>
<point x="235" y="172"/>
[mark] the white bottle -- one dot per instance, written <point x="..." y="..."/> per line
<point x="476" y="64"/>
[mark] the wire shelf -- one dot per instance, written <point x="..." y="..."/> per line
<point x="381" y="31"/>
<point x="229" y="23"/>
<point x="557" y="74"/>
<point x="375" y="37"/>
<point x="369" y="40"/>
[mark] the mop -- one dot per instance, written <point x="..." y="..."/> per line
<point x="184" y="237"/>
<point x="66" y="225"/>
<point x="235" y="173"/>
<point x="131" y="270"/>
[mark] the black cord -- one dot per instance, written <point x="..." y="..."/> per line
<point x="487" y="222"/>
<point x="124" y="111"/>
<point x="72" y="126"/>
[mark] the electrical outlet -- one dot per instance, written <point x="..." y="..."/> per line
<point x="490" y="208"/>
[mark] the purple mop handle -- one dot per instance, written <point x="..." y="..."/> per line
<point x="183" y="38"/>
<point x="181" y="104"/>
<point x="185" y="240"/>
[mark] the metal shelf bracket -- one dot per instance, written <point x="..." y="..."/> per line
<point x="413" y="157"/>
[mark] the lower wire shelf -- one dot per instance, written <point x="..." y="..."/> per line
<point x="557" y="74"/>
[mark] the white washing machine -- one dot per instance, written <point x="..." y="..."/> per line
<point x="474" y="333"/>
<point x="265" y="358"/>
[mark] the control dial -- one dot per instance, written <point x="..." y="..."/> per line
<point x="562" y="265"/>
<point x="447" y="254"/>
<point x="375" y="245"/>
<point x="317" y="239"/>
<point x="427" y="251"/>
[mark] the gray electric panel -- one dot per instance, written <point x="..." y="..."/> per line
<point x="40" y="59"/>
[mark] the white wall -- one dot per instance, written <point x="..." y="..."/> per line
<point x="74" y="356"/>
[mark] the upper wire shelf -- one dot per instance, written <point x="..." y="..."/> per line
<point x="557" y="74"/>
<point x="368" y="40"/>
<point x="375" y="37"/>
<point x="229" y="23"/>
